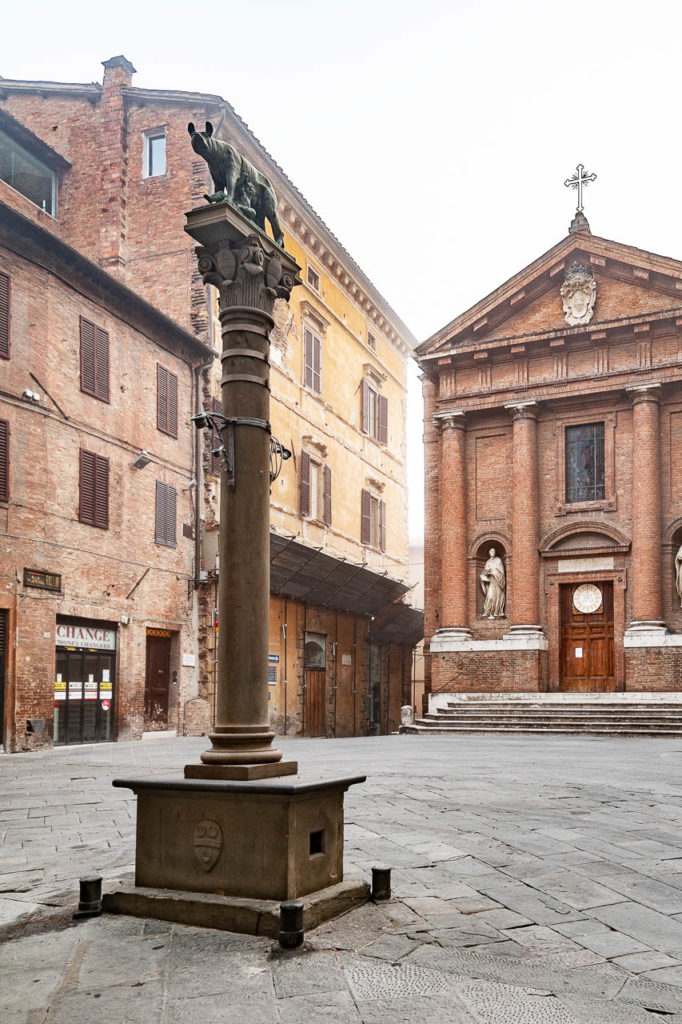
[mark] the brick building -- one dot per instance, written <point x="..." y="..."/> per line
<point x="121" y="163"/>
<point x="553" y="430"/>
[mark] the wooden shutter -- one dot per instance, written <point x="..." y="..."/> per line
<point x="4" y="460"/>
<point x="101" y="364"/>
<point x="94" y="490"/>
<point x="4" y="316"/>
<point x="327" y="496"/>
<point x="317" y="379"/>
<point x="101" y="492"/>
<point x="365" y="524"/>
<point x="382" y="525"/>
<point x="166" y="401"/>
<point x="365" y="407"/>
<point x="305" y="484"/>
<point x="160" y="513"/>
<point x="383" y="419"/>
<point x="171" y="515"/>
<point x="308" y="358"/>
<point x="166" y="514"/>
<point x="216" y="440"/>
<point x="88" y="383"/>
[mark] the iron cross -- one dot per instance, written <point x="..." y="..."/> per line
<point x="579" y="180"/>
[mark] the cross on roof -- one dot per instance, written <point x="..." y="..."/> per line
<point x="579" y="181"/>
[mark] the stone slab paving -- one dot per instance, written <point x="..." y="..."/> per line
<point x="535" y="879"/>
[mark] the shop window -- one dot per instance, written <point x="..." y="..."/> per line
<point x="27" y="175"/>
<point x="585" y="479"/>
<point x="166" y="401"/>
<point x="373" y="521"/>
<point x="166" y="501"/>
<point x="316" y="490"/>
<point x="94" y="490"/>
<point x="4" y="316"/>
<point x="312" y="346"/>
<point x="94" y="361"/>
<point x="4" y="460"/>
<point x="154" y="156"/>
<point x="374" y="413"/>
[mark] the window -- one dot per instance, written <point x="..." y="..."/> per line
<point x="585" y="463"/>
<point x="4" y="460"/>
<point x="4" y="316"/>
<point x="371" y="341"/>
<point x="373" y="521"/>
<point x="94" y="490"/>
<point x="166" y="401"/>
<point x="312" y="346"/>
<point x="166" y="498"/>
<point x="28" y="175"/>
<point x="374" y="413"/>
<point x="316" y="490"/>
<point x="313" y="278"/>
<point x="154" y="155"/>
<point x="94" y="361"/>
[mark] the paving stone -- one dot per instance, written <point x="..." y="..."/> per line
<point x="143" y="1005"/>
<point x="612" y="944"/>
<point x="390" y="947"/>
<point x="539" y="938"/>
<point x="638" y="963"/>
<point x="636" y="886"/>
<point x="318" y="1008"/>
<point x="209" y="1010"/>
<point x="666" y="975"/>
<point x="504" y="1004"/>
<point x="653" y="929"/>
<point x="297" y="972"/>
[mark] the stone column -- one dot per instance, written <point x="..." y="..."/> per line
<point x="454" y="606"/>
<point x="250" y="272"/>
<point x="646" y="563"/>
<point x="525" y="521"/>
<point x="432" y="475"/>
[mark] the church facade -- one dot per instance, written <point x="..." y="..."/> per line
<point x="553" y="461"/>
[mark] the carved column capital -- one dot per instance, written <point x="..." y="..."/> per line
<point x="644" y="393"/>
<point x="522" y="410"/>
<point x="451" y="420"/>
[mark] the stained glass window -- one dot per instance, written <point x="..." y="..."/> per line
<point x="585" y="463"/>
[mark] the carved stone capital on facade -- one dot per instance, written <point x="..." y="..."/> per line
<point x="450" y="420"/>
<point x="241" y="261"/>
<point x="644" y="393"/>
<point x="522" y="410"/>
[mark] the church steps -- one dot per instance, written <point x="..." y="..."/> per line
<point x="438" y="730"/>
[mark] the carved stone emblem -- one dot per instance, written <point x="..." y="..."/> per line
<point x="208" y="843"/>
<point x="578" y="294"/>
<point x="587" y="598"/>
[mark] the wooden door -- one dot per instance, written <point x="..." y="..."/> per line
<point x="587" y="662"/>
<point x="314" y="702"/>
<point x="157" y="682"/>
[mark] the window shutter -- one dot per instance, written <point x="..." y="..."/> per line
<point x="171" y="501"/>
<point x="327" y="496"/>
<point x="86" y="512"/>
<point x="317" y="381"/>
<point x="161" y="397"/>
<point x="101" y="492"/>
<point x="4" y="316"/>
<point x="365" y="526"/>
<point x="88" y="380"/>
<point x="4" y="460"/>
<point x="383" y="419"/>
<point x="160" y="513"/>
<point x="308" y="358"/>
<point x="101" y="367"/>
<point x="216" y="440"/>
<point x="172" y="417"/>
<point x="305" y="484"/>
<point x="365" y="407"/>
<point x="382" y="525"/>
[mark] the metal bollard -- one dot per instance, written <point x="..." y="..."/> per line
<point x="381" y="884"/>
<point x="290" y="924"/>
<point x="90" y="902"/>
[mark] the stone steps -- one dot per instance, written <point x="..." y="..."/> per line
<point x="603" y="718"/>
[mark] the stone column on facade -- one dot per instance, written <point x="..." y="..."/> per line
<point x="453" y="531"/>
<point x="250" y="272"/>
<point x="646" y="585"/>
<point x="524" y="602"/>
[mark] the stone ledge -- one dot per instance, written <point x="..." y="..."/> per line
<point x="529" y="642"/>
<point x="232" y="914"/>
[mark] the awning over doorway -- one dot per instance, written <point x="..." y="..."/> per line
<point x="398" y="624"/>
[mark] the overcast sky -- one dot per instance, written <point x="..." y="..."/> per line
<point x="432" y="137"/>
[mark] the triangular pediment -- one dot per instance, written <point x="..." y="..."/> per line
<point x="630" y="283"/>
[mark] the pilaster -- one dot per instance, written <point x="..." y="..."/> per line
<point x="454" y="604"/>
<point x="647" y="604"/>
<point x="525" y="612"/>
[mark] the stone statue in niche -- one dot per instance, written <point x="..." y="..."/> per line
<point x="678" y="573"/>
<point x="494" y="586"/>
<point x="578" y="294"/>
<point x="237" y="181"/>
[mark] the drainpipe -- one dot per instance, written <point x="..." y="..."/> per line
<point x="198" y="468"/>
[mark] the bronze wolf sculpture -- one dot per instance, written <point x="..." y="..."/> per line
<point x="237" y="180"/>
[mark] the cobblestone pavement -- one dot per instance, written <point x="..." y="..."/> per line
<point x="536" y="879"/>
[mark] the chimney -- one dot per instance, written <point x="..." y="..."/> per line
<point x="118" y="71"/>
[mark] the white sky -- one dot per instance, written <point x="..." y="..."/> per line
<point x="432" y="137"/>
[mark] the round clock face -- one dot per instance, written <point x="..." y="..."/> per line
<point x="587" y="598"/>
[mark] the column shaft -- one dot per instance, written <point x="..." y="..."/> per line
<point x="525" y="516"/>
<point x="454" y="607"/>
<point x="646" y="508"/>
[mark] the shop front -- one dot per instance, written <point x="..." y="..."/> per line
<point x="84" y="689"/>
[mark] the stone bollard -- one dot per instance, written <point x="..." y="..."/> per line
<point x="290" y="924"/>
<point x="90" y="901"/>
<point x="381" y="884"/>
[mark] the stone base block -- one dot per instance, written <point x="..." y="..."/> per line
<point x="247" y="916"/>
<point x="241" y="772"/>
<point x="502" y="668"/>
<point x="272" y="840"/>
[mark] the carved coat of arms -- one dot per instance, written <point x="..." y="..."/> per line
<point x="208" y="843"/>
<point x="578" y="294"/>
